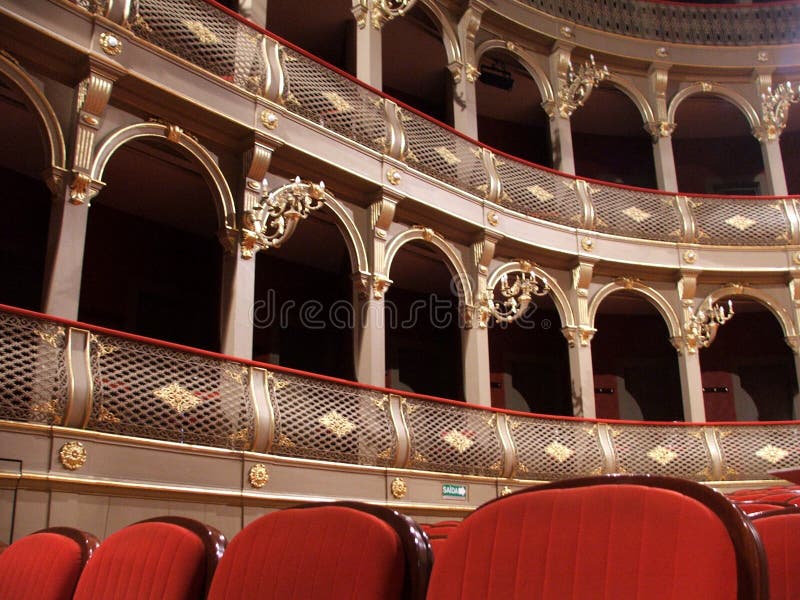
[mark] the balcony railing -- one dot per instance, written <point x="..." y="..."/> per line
<point x="239" y="52"/>
<point x="57" y="372"/>
<point x="679" y="23"/>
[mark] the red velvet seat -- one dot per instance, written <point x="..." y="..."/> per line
<point x="620" y="537"/>
<point x="780" y="535"/>
<point x="329" y="551"/>
<point x="752" y="507"/>
<point x="168" y="558"/>
<point x="45" y="565"/>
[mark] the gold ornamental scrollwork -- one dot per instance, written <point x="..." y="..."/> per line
<point x="399" y="488"/>
<point x="72" y="455"/>
<point x="272" y="221"/>
<point x="505" y="491"/>
<point x="258" y="476"/>
<point x="393" y="176"/>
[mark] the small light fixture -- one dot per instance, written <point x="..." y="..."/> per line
<point x="496" y="75"/>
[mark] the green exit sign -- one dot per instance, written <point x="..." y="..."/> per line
<point x="456" y="492"/>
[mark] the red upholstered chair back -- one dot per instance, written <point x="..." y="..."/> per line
<point x="45" y="565"/>
<point x="623" y="537"/>
<point x="780" y="535"/>
<point x="169" y="558"/>
<point x="751" y="507"/>
<point x="331" y="551"/>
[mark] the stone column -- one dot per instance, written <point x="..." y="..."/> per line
<point x="794" y="343"/>
<point x="775" y="177"/>
<point x="369" y="335"/>
<point x="255" y="10"/>
<point x="465" y="104"/>
<point x="239" y="263"/>
<point x="661" y="130"/>
<point x="579" y="338"/>
<point x="369" y="52"/>
<point x="581" y="371"/>
<point x="559" y="113"/>
<point x="694" y="408"/>
<point x="72" y="193"/>
<point x="474" y="326"/>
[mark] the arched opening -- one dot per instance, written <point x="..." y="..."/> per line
<point x="423" y="337"/>
<point x="715" y="152"/>
<point x="748" y="371"/>
<point x="25" y="201"/>
<point x="303" y="313"/>
<point x="152" y="260"/>
<point x="510" y="113"/>
<point x="790" y="150"/>
<point x="326" y="29"/>
<point x="419" y="78"/>
<point x="529" y="362"/>
<point x="636" y="373"/>
<point x="609" y="140"/>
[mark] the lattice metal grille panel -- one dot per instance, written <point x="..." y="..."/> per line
<point x="774" y="23"/>
<point x="740" y="222"/>
<point x="205" y="36"/>
<point x="442" y="154"/>
<point x="333" y="101"/>
<point x="33" y="377"/>
<point x="453" y="439"/>
<point x="539" y="193"/>
<point x="636" y="214"/>
<point x="323" y="420"/>
<point x="150" y="391"/>
<point x="751" y="452"/>
<point x="662" y="450"/>
<point x="549" y="449"/>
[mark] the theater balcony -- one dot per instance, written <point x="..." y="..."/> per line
<point x="419" y="253"/>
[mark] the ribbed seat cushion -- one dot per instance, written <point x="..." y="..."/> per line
<point x="619" y="542"/>
<point x="145" y="561"/>
<point x="40" y="566"/>
<point x="321" y="553"/>
<point x="780" y="535"/>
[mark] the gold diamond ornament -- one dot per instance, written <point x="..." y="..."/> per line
<point x="559" y="451"/>
<point x="636" y="214"/>
<point x="739" y="222"/>
<point x="337" y="424"/>
<point x="540" y="193"/>
<point x="772" y="454"/>
<point x="662" y="456"/>
<point x="458" y="440"/>
<point x="339" y="103"/>
<point x="179" y="398"/>
<point x="448" y="156"/>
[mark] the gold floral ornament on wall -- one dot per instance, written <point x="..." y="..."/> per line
<point x="399" y="488"/>
<point x="72" y="455"/>
<point x="258" y="476"/>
